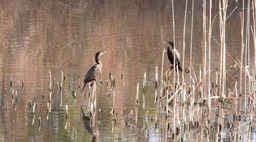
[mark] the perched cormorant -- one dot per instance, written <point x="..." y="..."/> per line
<point x="95" y="70"/>
<point x="170" y="53"/>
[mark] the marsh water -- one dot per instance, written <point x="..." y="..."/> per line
<point x="60" y="35"/>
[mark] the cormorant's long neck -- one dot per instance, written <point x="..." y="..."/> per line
<point x="170" y="47"/>
<point x="98" y="61"/>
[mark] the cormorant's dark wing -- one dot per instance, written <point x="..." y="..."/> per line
<point x="91" y="74"/>
<point x="170" y="55"/>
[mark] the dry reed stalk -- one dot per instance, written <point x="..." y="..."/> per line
<point x="254" y="81"/>
<point x="183" y="60"/>
<point x="209" y="61"/>
<point x="167" y="113"/>
<point x="197" y="116"/>
<point x="222" y="16"/>
<point x="61" y="98"/>
<point x="174" y="74"/>
<point x="191" y="42"/>
<point x="136" y="114"/>
<point x="114" y="99"/>
<point x="143" y="100"/>
<point x="50" y="74"/>
<point x="79" y="83"/>
<point x="237" y="111"/>
<point x="221" y="53"/>
<point x="204" y="49"/>
<point x="222" y="19"/>
<point x="184" y="39"/>
<point x="144" y="83"/>
<point x="247" y="55"/>
<point x="62" y="80"/>
<point x="156" y="85"/>
<point x="241" y="70"/>
<point x="200" y="81"/>
<point x="159" y="104"/>
<point x="93" y="104"/>
<point x="137" y="94"/>
<point x="162" y="71"/>
<point x="144" y="89"/>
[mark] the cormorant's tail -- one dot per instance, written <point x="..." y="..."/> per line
<point x="84" y="86"/>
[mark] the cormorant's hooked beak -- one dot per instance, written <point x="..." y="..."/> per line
<point x="104" y="52"/>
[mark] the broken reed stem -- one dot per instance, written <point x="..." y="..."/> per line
<point x="167" y="114"/>
<point x="237" y="111"/>
<point x="114" y="99"/>
<point x="79" y="83"/>
<point x="137" y="94"/>
<point x="49" y="103"/>
<point x="144" y="83"/>
<point x="93" y="104"/>
<point x="136" y="114"/>
<point x="167" y="103"/>
<point x="61" y="98"/>
<point x="144" y="89"/>
<point x="62" y="79"/>
<point x="162" y="72"/>
<point x="156" y="85"/>
<point x="50" y="80"/>
<point x="216" y="84"/>
<point x="137" y="103"/>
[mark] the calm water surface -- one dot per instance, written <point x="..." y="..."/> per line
<point x="42" y="35"/>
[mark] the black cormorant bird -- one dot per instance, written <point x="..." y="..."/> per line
<point x="170" y="53"/>
<point x="95" y="70"/>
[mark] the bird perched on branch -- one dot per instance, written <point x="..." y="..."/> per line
<point x="94" y="71"/>
<point x="171" y="51"/>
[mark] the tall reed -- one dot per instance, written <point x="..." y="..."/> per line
<point x="254" y="73"/>
<point x="174" y="74"/>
